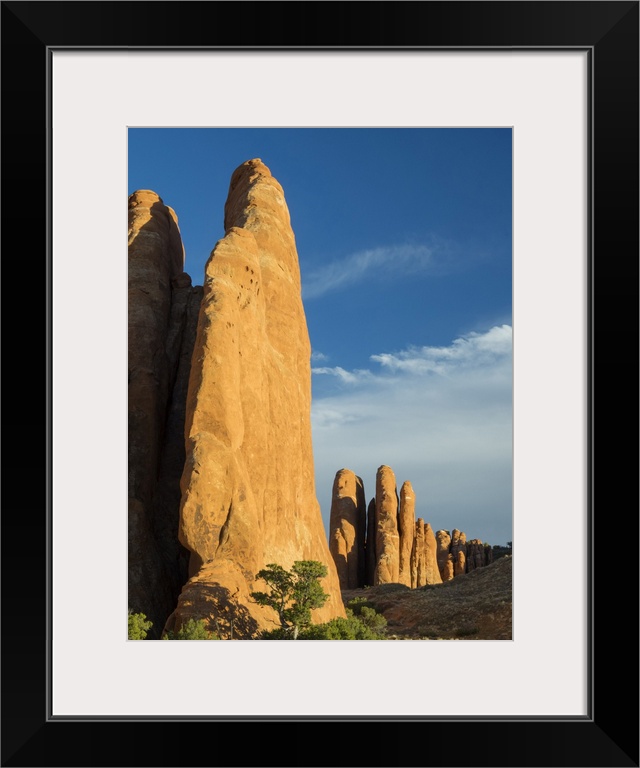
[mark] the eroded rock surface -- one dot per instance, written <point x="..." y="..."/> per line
<point x="432" y="572"/>
<point x="475" y="554"/>
<point x="407" y="531"/>
<point x="445" y="562"/>
<point x="387" y="537"/>
<point x="248" y="494"/>
<point x="162" y="313"/>
<point x="458" y="551"/>
<point x="347" y="529"/>
<point x="418" y="556"/>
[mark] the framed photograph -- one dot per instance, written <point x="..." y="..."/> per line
<point x="562" y="78"/>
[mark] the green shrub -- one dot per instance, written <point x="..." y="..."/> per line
<point x="358" y="603"/>
<point x="369" y="625"/>
<point x="138" y="626"/>
<point x="372" y="619"/>
<point x="276" y="634"/>
<point x="191" y="630"/>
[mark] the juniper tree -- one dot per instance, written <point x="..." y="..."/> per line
<point x="293" y="593"/>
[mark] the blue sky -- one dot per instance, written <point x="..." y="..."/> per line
<point x="404" y="241"/>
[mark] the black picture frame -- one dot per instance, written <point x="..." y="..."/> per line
<point x="608" y="736"/>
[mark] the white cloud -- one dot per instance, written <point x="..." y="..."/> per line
<point x="473" y="349"/>
<point x="440" y="417"/>
<point x="348" y="377"/>
<point x="318" y="357"/>
<point x="384" y="262"/>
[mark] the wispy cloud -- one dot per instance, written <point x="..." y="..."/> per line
<point x="348" y="377"/>
<point x="318" y="357"/>
<point x="383" y="262"/>
<point x="472" y="349"/>
<point x="441" y="417"/>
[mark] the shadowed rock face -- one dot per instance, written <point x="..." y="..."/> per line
<point x="370" y="545"/>
<point x="248" y="494"/>
<point x="163" y="310"/>
<point x="477" y="554"/>
<point x="347" y="529"/>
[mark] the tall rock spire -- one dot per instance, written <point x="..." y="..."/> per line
<point x="248" y="492"/>
<point x="162" y="313"/>
<point x="407" y="531"/>
<point x="347" y="529"/>
<point x="387" y="537"/>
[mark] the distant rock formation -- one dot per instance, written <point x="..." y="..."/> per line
<point x="458" y="551"/>
<point x="407" y="531"/>
<point x="248" y="494"/>
<point x="445" y="560"/>
<point x="432" y="572"/>
<point x="478" y="554"/>
<point x="163" y="311"/>
<point x="398" y="548"/>
<point x="424" y="565"/>
<point x="387" y="536"/>
<point x="347" y="529"/>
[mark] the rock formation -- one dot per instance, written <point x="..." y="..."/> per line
<point x="418" y="556"/>
<point x="163" y="311"/>
<point x="488" y="554"/>
<point x="407" y="531"/>
<point x="221" y="480"/>
<point x="475" y="554"/>
<point x="478" y="554"/>
<point x="458" y="551"/>
<point x="347" y="529"/>
<point x="443" y="554"/>
<point x="397" y="548"/>
<point x="248" y="495"/>
<point x="387" y="537"/>
<point x="432" y="572"/>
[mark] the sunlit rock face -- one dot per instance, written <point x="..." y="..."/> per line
<point x="432" y="572"/>
<point x="443" y="554"/>
<point x="248" y="493"/>
<point x="162" y="319"/>
<point x="397" y="547"/>
<point x="424" y="563"/>
<point x="458" y="551"/>
<point x="347" y="529"/>
<point x="406" y="531"/>
<point x="387" y="536"/>
<point x="418" y="556"/>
